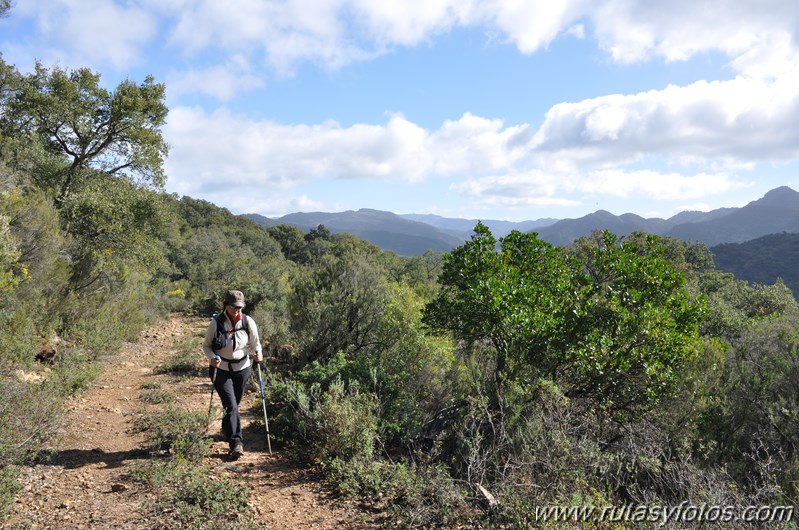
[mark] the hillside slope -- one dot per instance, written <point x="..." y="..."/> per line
<point x="762" y="260"/>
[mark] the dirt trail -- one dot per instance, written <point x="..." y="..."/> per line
<point x="86" y="484"/>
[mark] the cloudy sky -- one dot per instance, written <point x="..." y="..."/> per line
<point x="490" y="109"/>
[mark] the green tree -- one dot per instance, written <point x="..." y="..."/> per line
<point x="9" y="256"/>
<point x="213" y="250"/>
<point x="337" y="305"/>
<point x="92" y="130"/>
<point x="512" y="299"/>
<point x="421" y="272"/>
<point x="754" y="423"/>
<point x="610" y="322"/>
<point x="214" y="262"/>
<point x="115" y="226"/>
<point x="634" y="324"/>
<point x="411" y="371"/>
<point x="319" y="242"/>
<point x="292" y="242"/>
<point x="43" y="261"/>
<point x="735" y="305"/>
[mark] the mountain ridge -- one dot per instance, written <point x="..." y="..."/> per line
<point x="384" y="229"/>
<point x="412" y="234"/>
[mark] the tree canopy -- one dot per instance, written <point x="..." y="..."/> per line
<point x="86" y="127"/>
<point x="612" y="321"/>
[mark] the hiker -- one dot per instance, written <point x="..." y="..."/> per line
<point x="229" y="341"/>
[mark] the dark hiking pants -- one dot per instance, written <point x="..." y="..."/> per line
<point x="230" y="387"/>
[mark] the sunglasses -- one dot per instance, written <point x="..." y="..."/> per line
<point x="237" y="307"/>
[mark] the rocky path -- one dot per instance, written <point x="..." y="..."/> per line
<point x="87" y="482"/>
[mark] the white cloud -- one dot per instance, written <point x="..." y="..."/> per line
<point x="304" y="204"/>
<point x="410" y="22"/>
<point x="531" y="26"/>
<point x="577" y="31"/>
<point x="773" y="56"/>
<point x="743" y="119"/>
<point x="338" y="32"/>
<point x="268" y="203"/>
<point x="490" y="163"/>
<point x="639" y="29"/>
<point x="534" y="188"/>
<point x="239" y="150"/>
<point x="695" y="207"/>
<point x="223" y="82"/>
<point x="96" y="33"/>
<point x="539" y="188"/>
<point x="282" y="33"/>
<point x="205" y="23"/>
<point x="706" y="129"/>
<point x="478" y="145"/>
<point x="655" y="185"/>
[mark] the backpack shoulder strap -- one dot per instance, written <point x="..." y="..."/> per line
<point x="220" y="323"/>
<point x="245" y="324"/>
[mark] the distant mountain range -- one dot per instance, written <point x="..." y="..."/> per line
<point x="777" y="211"/>
<point x="407" y="235"/>
<point x="465" y="227"/>
<point x="385" y="229"/>
<point x="412" y="234"/>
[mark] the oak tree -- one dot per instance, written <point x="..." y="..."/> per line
<point x="91" y="129"/>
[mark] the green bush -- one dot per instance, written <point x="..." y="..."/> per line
<point x="189" y="497"/>
<point x="30" y="414"/>
<point x="19" y="342"/>
<point x="346" y="424"/>
<point x="180" y="432"/>
<point x="155" y="396"/>
<point x="324" y="374"/>
<point x="418" y="495"/>
<point x="337" y="423"/>
<point x="101" y="322"/>
<point x="173" y="298"/>
<point x="359" y="477"/>
<point x="9" y="487"/>
<point x="410" y="372"/>
<point x="74" y="371"/>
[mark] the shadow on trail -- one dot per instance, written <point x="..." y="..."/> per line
<point x="76" y="458"/>
<point x="254" y="444"/>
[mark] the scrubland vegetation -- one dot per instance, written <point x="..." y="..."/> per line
<point x="467" y="388"/>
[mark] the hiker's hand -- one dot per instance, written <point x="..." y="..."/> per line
<point x="215" y="362"/>
<point x="258" y="356"/>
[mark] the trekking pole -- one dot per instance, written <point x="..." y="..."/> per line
<point x="213" y="380"/>
<point x="263" y="402"/>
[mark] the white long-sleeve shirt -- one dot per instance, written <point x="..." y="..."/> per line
<point x="238" y="346"/>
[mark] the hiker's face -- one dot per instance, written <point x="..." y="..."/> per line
<point x="233" y="310"/>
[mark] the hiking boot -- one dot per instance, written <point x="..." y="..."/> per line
<point x="237" y="451"/>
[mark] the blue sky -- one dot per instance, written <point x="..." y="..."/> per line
<point x="489" y="109"/>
